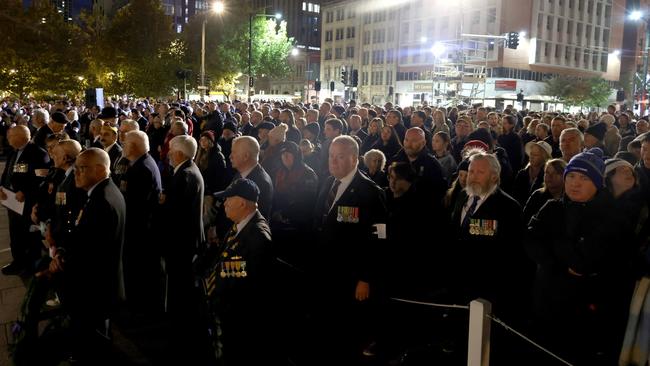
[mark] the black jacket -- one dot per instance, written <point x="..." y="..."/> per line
<point x="349" y="224"/>
<point x="522" y="189"/>
<point x="20" y="173"/>
<point x="215" y="176"/>
<point x="41" y="135"/>
<point x="430" y="182"/>
<point x="511" y="142"/>
<point x="92" y="256"/>
<point x="264" y="183"/>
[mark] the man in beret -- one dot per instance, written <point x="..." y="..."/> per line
<point x="109" y="116"/>
<point x="239" y="280"/>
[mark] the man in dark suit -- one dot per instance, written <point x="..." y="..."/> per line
<point x="244" y="157"/>
<point x="25" y="169"/>
<point x="351" y="215"/>
<point x="141" y="187"/>
<point x="183" y="238"/>
<point x="40" y="120"/>
<point x="241" y="277"/>
<point x="488" y="229"/>
<point x="90" y="260"/>
<point x="108" y="140"/>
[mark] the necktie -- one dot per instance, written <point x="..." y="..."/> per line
<point x="470" y="212"/>
<point x="231" y="235"/>
<point x="332" y="195"/>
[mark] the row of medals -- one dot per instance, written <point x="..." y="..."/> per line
<point x="233" y="268"/>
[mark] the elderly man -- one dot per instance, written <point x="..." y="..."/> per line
<point x="430" y="182"/>
<point x="41" y="120"/>
<point x="126" y="126"/>
<point x="241" y="277"/>
<point x="350" y="214"/>
<point x="558" y="124"/>
<point x="26" y="167"/>
<point x="245" y="160"/>
<point x="109" y="143"/>
<point x="91" y="268"/>
<point x="95" y="131"/>
<point x="141" y="187"/>
<point x="571" y="143"/>
<point x="488" y="230"/>
<point x="355" y="127"/>
<point x="109" y="116"/>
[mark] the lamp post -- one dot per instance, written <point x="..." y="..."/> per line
<point x="251" y="82"/>
<point x="218" y="8"/>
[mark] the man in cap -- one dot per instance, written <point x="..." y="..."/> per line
<point x="239" y="280"/>
<point x="109" y="116"/>
<point x="595" y="136"/>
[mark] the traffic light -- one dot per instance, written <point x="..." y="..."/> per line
<point x="317" y="85"/>
<point x="620" y="95"/>
<point x="513" y="40"/>
<point x="344" y="77"/>
<point x="331" y="86"/>
<point x="355" y="77"/>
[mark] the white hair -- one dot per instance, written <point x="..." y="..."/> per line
<point x="349" y="143"/>
<point x="42" y="115"/>
<point x="250" y="145"/>
<point x="182" y="124"/>
<point x="492" y="160"/>
<point x="185" y="144"/>
<point x="140" y="138"/>
<point x="574" y="131"/>
<point x="130" y="124"/>
<point x="378" y="154"/>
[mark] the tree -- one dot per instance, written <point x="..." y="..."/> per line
<point x="593" y="92"/>
<point x="599" y="92"/>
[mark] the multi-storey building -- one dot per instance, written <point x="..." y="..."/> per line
<point x="182" y="10"/>
<point x="556" y="37"/>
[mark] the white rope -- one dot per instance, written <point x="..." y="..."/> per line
<point x="431" y="304"/>
<point x="509" y="328"/>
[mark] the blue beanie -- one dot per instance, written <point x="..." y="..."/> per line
<point x="589" y="163"/>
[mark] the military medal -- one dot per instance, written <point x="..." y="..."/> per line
<point x="243" y="269"/>
<point x="76" y="223"/>
<point x="50" y="188"/>
<point x="228" y="272"/>
<point x="21" y="168"/>
<point x="222" y="274"/>
<point x="237" y="269"/>
<point x="60" y="199"/>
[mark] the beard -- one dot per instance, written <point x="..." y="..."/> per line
<point x="476" y="189"/>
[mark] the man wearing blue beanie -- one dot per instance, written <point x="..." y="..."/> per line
<point x="589" y="163"/>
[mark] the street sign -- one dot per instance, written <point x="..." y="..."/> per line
<point x="505" y="85"/>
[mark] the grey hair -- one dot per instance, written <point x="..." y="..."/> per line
<point x="131" y="124"/>
<point x="141" y="138"/>
<point x="576" y="132"/>
<point x="495" y="167"/>
<point x="374" y="153"/>
<point x="250" y="145"/>
<point x="348" y="142"/>
<point x="182" y="124"/>
<point x="185" y="144"/>
<point x="42" y="114"/>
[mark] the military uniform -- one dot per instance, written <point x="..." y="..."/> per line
<point x="20" y="176"/>
<point x="236" y="288"/>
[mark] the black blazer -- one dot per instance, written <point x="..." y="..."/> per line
<point x="183" y="207"/>
<point x="114" y="154"/>
<point x="68" y="201"/>
<point x="141" y="187"/>
<point x="20" y="175"/>
<point x="264" y="183"/>
<point x="92" y="256"/>
<point x="349" y="226"/>
<point x="41" y="135"/>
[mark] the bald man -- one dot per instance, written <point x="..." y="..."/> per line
<point x="90" y="262"/>
<point x="20" y="177"/>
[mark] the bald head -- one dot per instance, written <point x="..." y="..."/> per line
<point x="414" y="142"/>
<point x="65" y="153"/>
<point x="92" y="167"/>
<point x="18" y="136"/>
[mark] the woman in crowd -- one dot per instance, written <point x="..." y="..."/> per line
<point x="293" y="133"/>
<point x="375" y="162"/>
<point x="374" y="129"/>
<point x="212" y="164"/>
<point x="156" y="132"/>
<point x="531" y="178"/>
<point x="553" y="188"/>
<point x="442" y="151"/>
<point x="388" y="142"/>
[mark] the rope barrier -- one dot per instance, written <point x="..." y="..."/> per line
<point x="493" y="318"/>
<point x="509" y="328"/>
<point x="431" y="304"/>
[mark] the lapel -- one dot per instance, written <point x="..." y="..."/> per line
<point x="485" y="206"/>
<point x="346" y="197"/>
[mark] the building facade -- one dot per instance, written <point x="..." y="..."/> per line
<point x="182" y="10"/>
<point x="436" y="50"/>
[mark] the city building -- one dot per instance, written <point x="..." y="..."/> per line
<point x="182" y="10"/>
<point x="440" y="51"/>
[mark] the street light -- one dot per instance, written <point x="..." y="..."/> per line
<point x="251" y="83"/>
<point x="637" y="15"/>
<point x="217" y="8"/>
<point x="294" y="52"/>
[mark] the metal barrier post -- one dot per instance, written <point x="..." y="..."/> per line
<point x="478" y="349"/>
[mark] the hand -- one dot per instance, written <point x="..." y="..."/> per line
<point x="48" y="236"/>
<point x="161" y="199"/>
<point x="34" y="215"/>
<point x="362" y="292"/>
<point x="3" y="195"/>
<point x="574" y="273"/>
<point x="56" y="265"/>
<point x="20" y="196"/>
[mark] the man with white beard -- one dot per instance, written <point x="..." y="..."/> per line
<point x="489" y="261"/>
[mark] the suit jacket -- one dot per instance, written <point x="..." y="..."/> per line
<point x="115" y="153"/>
<point x="92" y="273"/>
<point x="41" y="135"/>
<point x="252" y="249"/>
<point x="20" y="173"/>
<point x="488" y="253"/>
<point x="349" y="227"/>
<point x="68" y="201"/>
<point x="264" y="183"/>
<point x="184" y="212"/>
<point x="141" y="187"/>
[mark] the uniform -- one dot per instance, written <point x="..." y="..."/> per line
<point x="20" y="176"/>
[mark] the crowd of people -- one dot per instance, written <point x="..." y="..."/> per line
<point x="268" y="231"/>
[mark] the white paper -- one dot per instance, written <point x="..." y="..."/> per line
<point x="381" y="230"/>
<point x="11" y="203"/>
